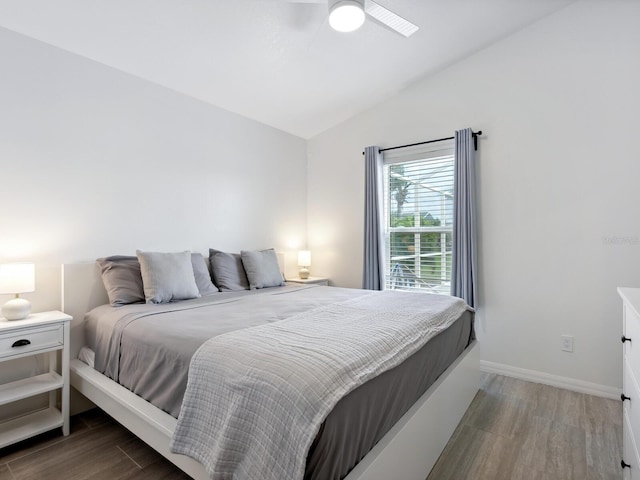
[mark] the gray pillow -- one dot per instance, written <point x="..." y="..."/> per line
<point x="122" y="279"/>
<point x="202" y="275"/>
<point x="167" y="276"/>
<point x="262" y="268"/>
<point x="228" y="272"/>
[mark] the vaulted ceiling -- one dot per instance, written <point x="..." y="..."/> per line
<point x="275" y="61"/>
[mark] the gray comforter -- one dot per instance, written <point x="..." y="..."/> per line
<point x="147" y="348"/>
<point x="256" y="397"/>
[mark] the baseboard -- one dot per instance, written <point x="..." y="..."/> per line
<point x="552" y="380"/>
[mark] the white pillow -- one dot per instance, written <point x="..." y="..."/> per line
<point x="167" y="276"/>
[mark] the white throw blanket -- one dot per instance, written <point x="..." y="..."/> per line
<point x="256" y="397"/>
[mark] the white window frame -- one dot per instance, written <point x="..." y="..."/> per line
<point x="406" y="155"/>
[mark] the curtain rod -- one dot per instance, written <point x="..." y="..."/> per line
<point x="475" y="142"/>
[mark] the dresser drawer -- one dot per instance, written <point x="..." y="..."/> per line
<point x="631" y="330"/>
<point x="631" y="427"/>
<point x="629" y="455"/>
<point x="29" y="340"/>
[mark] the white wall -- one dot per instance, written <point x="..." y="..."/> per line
<point x="95" y="162"/>
<point x="558" y="184"/>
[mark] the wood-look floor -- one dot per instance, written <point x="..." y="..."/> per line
<point x="98" y="448"/>
<point x="513" y="430"/>
<point x="518" y="430"/>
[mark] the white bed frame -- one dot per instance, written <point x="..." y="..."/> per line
<point x="408" y="451"/>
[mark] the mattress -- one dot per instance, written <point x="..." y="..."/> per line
<point x="147" y="349"/>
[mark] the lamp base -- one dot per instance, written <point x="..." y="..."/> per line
<point x="303" y="273"/>
<point x="16" y="309"/>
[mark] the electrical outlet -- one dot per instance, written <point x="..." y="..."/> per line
<point x="567" y="343"/>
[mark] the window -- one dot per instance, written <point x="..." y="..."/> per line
<point x="418" y="209"/>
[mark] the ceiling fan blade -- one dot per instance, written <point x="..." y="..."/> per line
<point x="390" y="19"/>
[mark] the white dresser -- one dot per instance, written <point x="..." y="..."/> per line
<point x="630" y="461"/>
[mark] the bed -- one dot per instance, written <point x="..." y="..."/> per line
<point x="407" y="450"/>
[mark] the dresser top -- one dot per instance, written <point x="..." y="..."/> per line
<point x="631" y="298"/>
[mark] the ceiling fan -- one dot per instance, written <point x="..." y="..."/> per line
<point x="349" y="15"/>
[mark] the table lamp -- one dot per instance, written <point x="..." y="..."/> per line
<point x="17" y="278"/>
<point x="304" y="261"/>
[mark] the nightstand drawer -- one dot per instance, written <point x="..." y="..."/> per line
<point x="27" y="340"/>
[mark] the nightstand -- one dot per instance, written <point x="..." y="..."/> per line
<point x="310" y="281"/>
<point x="39" y="333"/>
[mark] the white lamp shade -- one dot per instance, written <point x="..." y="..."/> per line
<point x="304" y="258"/>
<point x="346" y="15"/>
<point x="17" y="278"/>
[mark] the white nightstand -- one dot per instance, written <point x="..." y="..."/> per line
<point x="310" y="280"/>
<point x="45" y="332"/>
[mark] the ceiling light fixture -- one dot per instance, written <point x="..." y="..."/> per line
<point x="346" y="15"/>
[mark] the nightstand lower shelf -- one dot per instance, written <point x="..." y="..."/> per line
<point x="14" y="391"/>
<point x="29" y="425"/>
